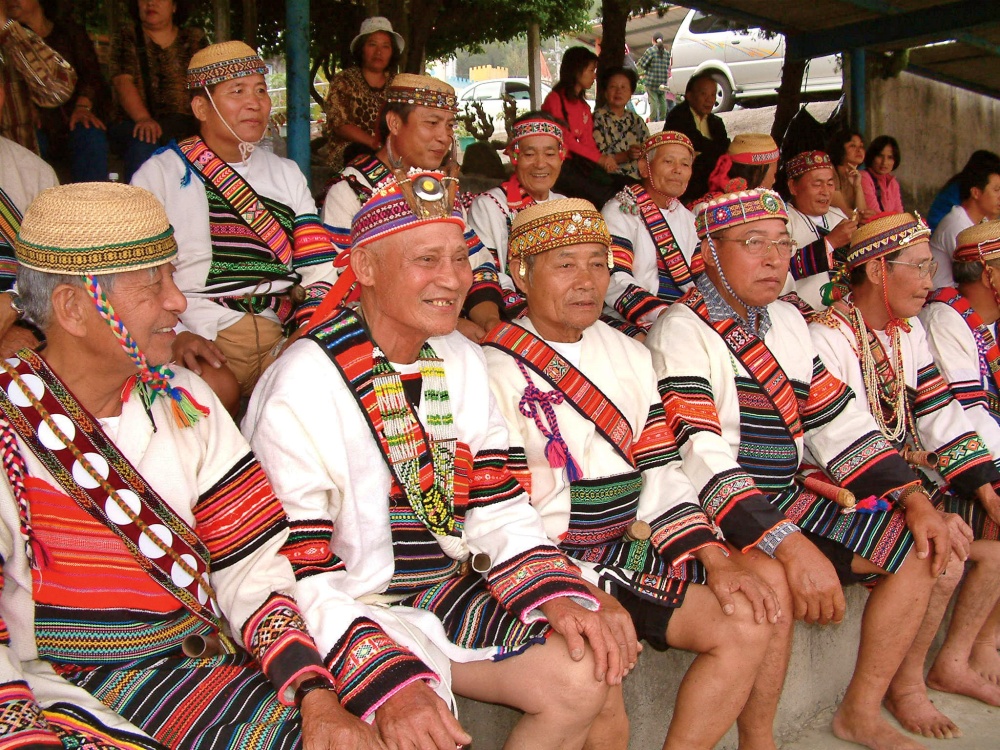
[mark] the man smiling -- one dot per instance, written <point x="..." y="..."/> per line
<point x="253" y="259"/>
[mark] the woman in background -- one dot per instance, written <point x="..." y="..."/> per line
<point x="880" y="187"/>
<point x="619" y="131"/>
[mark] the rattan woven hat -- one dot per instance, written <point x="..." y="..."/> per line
<point x="223" y="62"/>
<point x="553" y="224"/>
<point x="425" y="91"/>
<point x="884" y="234"/>
<point x="95" y="228"/>
<point x="978" y="243"/>
<point x="753" y="148"/>
<point x="373" y="24"/>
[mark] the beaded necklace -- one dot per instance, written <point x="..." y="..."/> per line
<point x="436" y="506"/>
<point x="882" y="395"/>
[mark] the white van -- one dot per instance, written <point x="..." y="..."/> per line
<point x="744" y="60"/>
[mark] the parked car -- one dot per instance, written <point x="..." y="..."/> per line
<point x="490" y="94"/>
<point x="745" y="61"/>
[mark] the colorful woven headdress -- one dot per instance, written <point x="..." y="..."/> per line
<point x="807" y="161"/>
<point x="554" y="224"/>
<point x="884" y="234"/>
<point x="100" y="228"/>
<point x="664" y="138"/>
<point x="534" y="126"/>
<point x="424" y="91"/>
<point x="407" y="201"/>
<point x="223" y="62"/>
<point x="734" y="209"/>
<point x="978" y="243"/>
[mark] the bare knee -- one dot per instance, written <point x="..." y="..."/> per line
<point x="985" y="553"/>
<point x="741" y="634"/>
<point x="571" y="687"/>
<point x="949" y="579"/>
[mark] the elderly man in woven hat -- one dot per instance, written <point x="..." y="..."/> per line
<point x="424" y="569"/>
<point x="653" y="235"/>
<point x="536" y="150"/>
<point x="146" y="602"/>
<point x="253" y="259"/>
<point x="745" y="393"/>
<point x="817" y="226"/>
<point x="751" y="161"/>
<point x="594" y="452"/>
<point x="417" y="130"/>
<point x="873" y="342"/>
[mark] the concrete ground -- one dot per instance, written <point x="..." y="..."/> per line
<point x="980" y="725"/>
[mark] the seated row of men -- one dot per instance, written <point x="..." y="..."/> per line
<point x="437" y="516"/>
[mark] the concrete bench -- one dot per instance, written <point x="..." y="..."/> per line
<point x="821" y="666"/>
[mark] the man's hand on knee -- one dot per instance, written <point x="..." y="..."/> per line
<point x="931" y="536"/>
<point x="619" y="622"/>
<point x="816" y="590"/>
<point x="726" y="578"/>
<point x="189" y="347"/>
<point x="960" y="534"/>
<point x="326" y="725"/>
<point x="578" y="626"/>
<point x="416" y="717"/>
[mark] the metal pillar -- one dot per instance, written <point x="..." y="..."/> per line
<point x="297" y="91"/>
<point x="858" y="90"/>
<point x="535" y="65"/>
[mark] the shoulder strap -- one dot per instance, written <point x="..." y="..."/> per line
<point x="582" y="394"/>
<point x="669" y="257"/>
<point x="10" y="225"/>
<point x="88" y="467"/>
<point x="951" y="297"/>
<point x="237" y="193"/>
<point x="750" y="350"/>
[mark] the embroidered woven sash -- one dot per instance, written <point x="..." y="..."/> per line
<point x="10" y="225"/>
<point x="238" y="194"/>
<point x="87" y="436"/>
<point x="345" y="341"/>
<point x="582" y="394"/>
<point x="980" y="330"/>
<point x="373" y="170"/>
<point x="759" y="361"/>
<point x="669" y="258"/>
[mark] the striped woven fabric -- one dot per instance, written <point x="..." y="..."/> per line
<point x="10" y="223"/>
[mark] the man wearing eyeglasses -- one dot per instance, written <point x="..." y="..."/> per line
<point x="746" y="393"/>
<point x="873" y="341"/>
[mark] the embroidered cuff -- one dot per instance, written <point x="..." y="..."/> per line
<point x="770" y="541"/>
<point x="527" y="581"/>
<point x="308" y="548"/>
<point x="276" y="635"/>
<point x="681" y="531"/>
<point x="368" y="667"/>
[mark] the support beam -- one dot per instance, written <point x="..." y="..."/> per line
<point x="859" y="90"/>
<point x="938" y="22"/>
<point x="297" y="56"/>
<point x="535" y="65"/>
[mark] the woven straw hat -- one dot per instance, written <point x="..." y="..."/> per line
<point x="885" y="234"/>
<point x="553" y="224"/>
<point x="373" y="24"/>
<point x="734" y="209"/>
<point x="223" y="62"/>
<point x="979" y="243"/>
<point x="753" y="148"/>
<point x="425" y="91"/>
<point x="95" y="228"/>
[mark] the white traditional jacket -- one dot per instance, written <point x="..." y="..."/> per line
<point x="805" y="231"/>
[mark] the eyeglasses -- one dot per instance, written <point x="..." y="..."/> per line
<point x="924" y="269"/>
<point x="760" y="246"/>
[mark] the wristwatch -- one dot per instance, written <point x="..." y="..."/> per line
<point x="313" y="683"/>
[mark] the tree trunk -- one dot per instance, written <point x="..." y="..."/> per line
<point x="250" y="22"/>
<point x="220" y="20"/>
<point x="422" y="14"/>
<point x="789" y="97"/>
<point x="614" y="18"/>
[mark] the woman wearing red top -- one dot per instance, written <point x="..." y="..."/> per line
<point x="880" y="187"/>
<point x="567" y="102"/>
